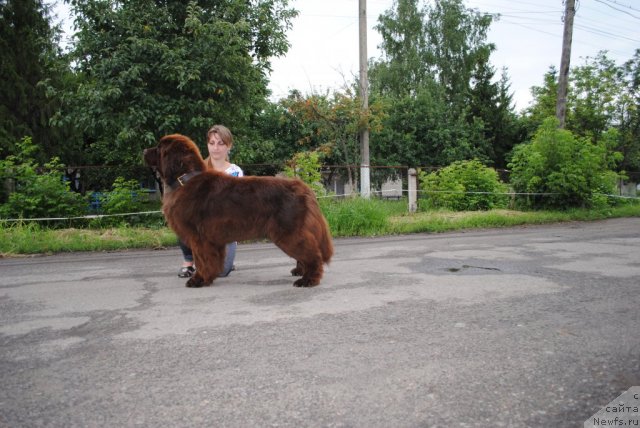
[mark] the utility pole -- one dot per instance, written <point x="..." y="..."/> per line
<point x="365" y="181"/>
<point x="563" y="78"/>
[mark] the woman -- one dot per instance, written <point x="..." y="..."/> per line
<point x="219" y="144"/>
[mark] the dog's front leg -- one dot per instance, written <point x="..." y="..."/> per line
<point x="196" y="281"/>
<point x="209" y="261"/>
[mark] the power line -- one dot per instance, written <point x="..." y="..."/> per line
<point x="622" y="5"/>
<point x="532" y="28"/>
<point x="605" y="33"/>
<point x="533" y="20"/>
<point x="619" y="10"/>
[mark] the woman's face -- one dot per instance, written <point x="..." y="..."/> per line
<point x="218" y="150"/>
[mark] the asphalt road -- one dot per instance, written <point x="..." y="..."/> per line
<point x="532" y="326"/>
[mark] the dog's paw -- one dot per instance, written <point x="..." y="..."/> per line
<point x="195" y="282"/>
<point x="296" y="272"/>
<point x="305" y="282"/>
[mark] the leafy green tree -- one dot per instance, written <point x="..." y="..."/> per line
<point x="456" y="46"/>
<point x="403" y="67"/>
<point x="275" y="138"/>
<point x="32" y="72"/>
<point x="602" y="97"/>
<point x="432" y="55"/>
<point x="326" y="123"/>
<point x="422" y="131"/>
<point x="595" y="93"/>
<point x="543" y="104"/>
<point x="629" y="115"/>
<point x="559" y="170"/>
<point x="151" y="68"/>
<point x="443" y="41"/>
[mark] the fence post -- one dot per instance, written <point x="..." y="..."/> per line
<point x="413" y="186"/>
<point x="9" y="183"/>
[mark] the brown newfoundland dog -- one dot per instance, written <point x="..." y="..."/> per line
<point x="208" y="209"/>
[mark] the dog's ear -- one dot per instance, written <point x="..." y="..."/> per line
<point x="178" y="155"/>
<point x="170" y="165"/>
<point x="151" y="157"/>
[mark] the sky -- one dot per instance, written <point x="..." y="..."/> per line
<point x="324" y="52"/>
<point x="528" y="38"/>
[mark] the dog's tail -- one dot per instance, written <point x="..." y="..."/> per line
<point x="326" y="243"/>
<point x="324" y="235"/>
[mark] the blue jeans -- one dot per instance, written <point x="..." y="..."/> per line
<point x="228" y="259"/>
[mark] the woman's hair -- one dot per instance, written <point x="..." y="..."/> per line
<point x="223" y="132"/>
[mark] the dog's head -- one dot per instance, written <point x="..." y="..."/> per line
<point x="175" y="155"/>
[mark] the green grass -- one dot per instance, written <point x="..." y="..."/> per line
<point x="443" y="221"/>
<point x="31" y="238"/>
<point x="360" y="217"/>
<point x="349" y="217"/>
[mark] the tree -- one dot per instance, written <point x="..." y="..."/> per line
<point x="543" y="104"/>
<point x="324" y="123"/>
<point x="596" y="90"/>
<point x="32" y="70"/>
<point x="602" y="97"/>
<point x="456" y="46"/>
<point x="422" y="131"/>
<point x="443" y="42"/>
<point x="403" y="67"/>
<point x="628" y="113"/>
<point x="492" y="103"/>
<point x="424" y="79"/>
<point x="150" y="68"/>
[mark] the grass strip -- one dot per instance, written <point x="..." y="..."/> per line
<point x="352" y="217"/>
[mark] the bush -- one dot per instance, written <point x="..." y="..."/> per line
<point x="463" y="186"/>
<point x="306" y="166"/>
<point x="559" y="170"/>
<point x="40" y="191"/>
<point x="126" y="197"/>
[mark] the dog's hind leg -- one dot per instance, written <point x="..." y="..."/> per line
<point x="312" y="274"/>
<point x="307" y="253"/>
<point x="209" y="261"/>
<point x="298" y="270"/>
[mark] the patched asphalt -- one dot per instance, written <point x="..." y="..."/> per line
<point x="528" y="326"/>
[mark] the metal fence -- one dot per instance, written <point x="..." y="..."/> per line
<point x="387" y="182"/>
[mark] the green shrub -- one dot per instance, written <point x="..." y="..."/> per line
<point x="40" y="191"/>
<point x="306" y="166"/>
<point x="463" y="186"/>
<point x="125" y="197"/>
<point x="560" y="170"/>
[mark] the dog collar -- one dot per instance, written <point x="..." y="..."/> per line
<point x="182" y="180"/>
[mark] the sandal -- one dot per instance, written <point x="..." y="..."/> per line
<point x="226" y="274"/>
<point x="186" y="272"/>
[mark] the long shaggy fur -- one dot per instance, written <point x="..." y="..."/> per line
<point x="212" y="209"/>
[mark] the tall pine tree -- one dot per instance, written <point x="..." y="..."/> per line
<point x="31" y="67"/>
